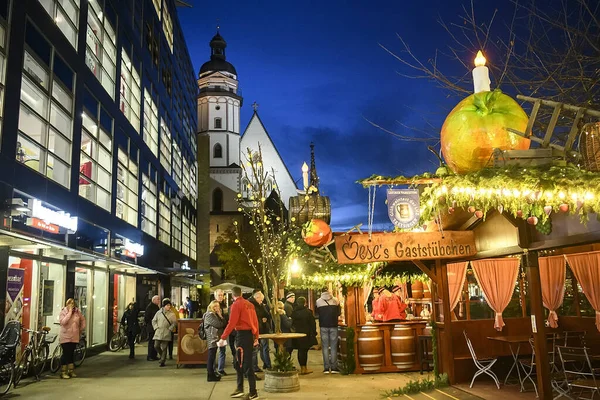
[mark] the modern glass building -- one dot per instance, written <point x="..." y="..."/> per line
<point x="98" y="169"/>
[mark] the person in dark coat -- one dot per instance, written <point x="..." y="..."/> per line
<point x="214" y="325"/>
<point x="151" y="310"/>
<point x="303" y="321"/>
<point x="289" y="306"/>
<point x="220" y="298"/>
<point x="264" y="326"/>
<point x="130" y="321"/>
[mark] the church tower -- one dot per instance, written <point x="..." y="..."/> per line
<point x="219" y="103"/>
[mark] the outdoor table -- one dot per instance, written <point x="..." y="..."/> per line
<point x="511" y="340"/>
<point x="281" y="338"/>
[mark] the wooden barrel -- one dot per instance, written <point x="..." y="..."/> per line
<point x="370" y="348"/>
<point x="416" y="288"/>
<point x="342" y="349"/>
<point x="281" y="382"/>
<point x="427" y="290"/>
<point x="403" y="346"/>
<point x="315" y="207"/>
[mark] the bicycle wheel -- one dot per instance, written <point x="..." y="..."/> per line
<point x="22" y="368"/>
<point x="7" y="374"/>
<point x="55" y="362"/>
<point x="79" y="356"/>
<point x="39" y="361"/>
<point x="116" y="342"/>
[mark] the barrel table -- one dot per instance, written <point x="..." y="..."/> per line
<point x="403" y="346"/>
<point x="370" y="348"/>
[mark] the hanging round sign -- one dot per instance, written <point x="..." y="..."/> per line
<point x="404" y="209"/>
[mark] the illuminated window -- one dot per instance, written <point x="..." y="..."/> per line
<point x="176" y="226"/>
<point x="131" y="91"/>
<point x="165" y="145"/>
<point x="65" y="14"/>
<point x="177" y="165"/>
<point x="193" y="238"/>
<point x="185" y="235"/>
<point x="164" y="215"/>
<point x="186" y="178"/>
<point x="149" y="202"/>
<point x="127" y="187"/>
<point x="45" y="114"/>
<point x="150" y="123"/>
<point x="101" y="53"/>
<point x="168" y="27"/>
<point x="194" y="182"/>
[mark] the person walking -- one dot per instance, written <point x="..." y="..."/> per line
<point x="289" y="306"/>
<point x="173" y="332"/>
<point x="303" y="321"/>
<point x="72" y="323"/>
<point x="243" y="320"/>
<point x="328" y="309"/>
<point x="214" y="325"/>
<point x="151" y="310"/>
<point x="264" y="326"/>
<point x="163" y="324"/>
<point x="189" y="307"/>
<point x="132" y="326"/>
<point x="220" y="298"/>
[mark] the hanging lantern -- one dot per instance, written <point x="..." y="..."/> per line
<point x="316" y="233"/>
<point x="589" y="146"/>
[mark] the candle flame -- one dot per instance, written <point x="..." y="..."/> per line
<point x="480" y="59"/>
<point x="304" y="167"/>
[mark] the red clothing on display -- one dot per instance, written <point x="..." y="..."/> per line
<point x="377" y="310"/>
<point x="393" y="308"/>
<point x="242" y="318"/>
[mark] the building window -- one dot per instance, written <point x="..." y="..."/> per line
<point x="193" y="238"/>
<point x="45" y="116"/>
<point x="131" y="91"/>
<point x="218" y="151"/>
<point x="101" y="53"/>
<point x="217" y="199"/>
<point x="164" y="215"/>
<point x="176" y="226"/>
<point x="177" y="166"/>
<point x="150" y="123"/>
<point x="158" y="7"/>
<point x="193" y="182"/>
<point x="2" y="71"/>
<point x="185" y="235"/>
<point x="95" y="168"/>
<point x="165" y="145"/>
<point x="65" y="14"/>
<point x="218" y="123"/>
<point x="168" y="27"/>
<point x="127" y="187"/>
<point x="149" y="202"/>
<point x="186" y="178"/>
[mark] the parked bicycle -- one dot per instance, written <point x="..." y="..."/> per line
<point x="119" y="339"/>
<point x="34" y="355"/>
<point x="9" y="340"/>
<point x="78" y="355"/>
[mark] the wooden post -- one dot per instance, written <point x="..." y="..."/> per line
<point x="447" y="352"/>
<point x="538" y="326"/>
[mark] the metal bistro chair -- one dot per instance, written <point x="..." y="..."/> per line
<point x="580" y="379"/>
<point x="528" y="366"/>
<point x="574" y="338"/>
<point x="483" y="365"/>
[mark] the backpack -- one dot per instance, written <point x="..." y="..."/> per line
<point x="201" y="331"/>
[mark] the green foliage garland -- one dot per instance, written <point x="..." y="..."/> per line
<point x="348" y="364"/>
<point x="523" y="192"/>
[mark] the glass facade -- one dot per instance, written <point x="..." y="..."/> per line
<point x="150" y="123"/>
<point x="131" y="91"/>
<point x="101" y="49"/>
<point x="149" y="203"/>
<point x="65" y="14"/>
<point x="164" y="215"/>
<point x="165" y="145"/>
<point x="127" y="188"/>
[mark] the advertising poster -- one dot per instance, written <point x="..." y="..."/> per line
<point x="48" y="298"/>
<point x="403" y="207"/>
<point x="14" y="294"/>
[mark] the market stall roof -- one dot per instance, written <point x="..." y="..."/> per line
<point x="227" y="287"/>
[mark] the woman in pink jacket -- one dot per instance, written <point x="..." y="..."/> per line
<point x="72" y="323"/>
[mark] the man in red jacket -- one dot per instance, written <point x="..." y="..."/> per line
<point x="242" y="318"/>
<point x="377" y="312"/>
<point x="393" y="308"/>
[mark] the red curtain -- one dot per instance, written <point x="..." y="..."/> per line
<point x="586" y="267"/>
<point x="497" y="278"/>
<point x="552" y="275"/>
<point x="457" y="272"/>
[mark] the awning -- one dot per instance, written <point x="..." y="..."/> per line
<point x="227" y="287"/>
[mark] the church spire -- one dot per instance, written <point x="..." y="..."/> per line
<point x="314" y="178"/>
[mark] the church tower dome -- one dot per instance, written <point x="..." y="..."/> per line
<point x="218" y="62"/>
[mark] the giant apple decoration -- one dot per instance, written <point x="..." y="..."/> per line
<point x="316" y="232"/>
<point x="477" y="125"/>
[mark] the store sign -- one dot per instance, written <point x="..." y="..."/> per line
<point x="49" y="216"/>
<point x="132" y="249"/>
<point x="38" y="223"/>
<point x="404" y="209"/>
<point x="404" y="246"/>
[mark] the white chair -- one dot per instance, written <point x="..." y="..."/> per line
<point x="579" y="373"/>
<point x="483" y="365"/>
<point x="528" y="366"/>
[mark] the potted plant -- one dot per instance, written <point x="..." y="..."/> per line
<point x="283" y="377"/>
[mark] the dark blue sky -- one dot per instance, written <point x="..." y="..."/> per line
<point x="317" y="71"/>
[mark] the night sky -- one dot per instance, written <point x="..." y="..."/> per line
<point x="318" y="72"/>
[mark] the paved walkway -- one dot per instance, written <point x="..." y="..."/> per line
<point x="114" y="376"/>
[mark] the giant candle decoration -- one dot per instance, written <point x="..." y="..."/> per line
<point x="305" y="175"/>
<point x="481" y="74"/>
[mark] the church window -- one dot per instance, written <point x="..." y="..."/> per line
<point x="218" y="151"/>
<point x="217" y="198"/>
<point x="218" y="124"/>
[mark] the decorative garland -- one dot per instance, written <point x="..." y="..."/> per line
<point x="533" y="193"/>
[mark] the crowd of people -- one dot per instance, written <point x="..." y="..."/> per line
<point x="388" y="306"/>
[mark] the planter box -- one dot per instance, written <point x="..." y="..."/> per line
<point x="281" y="382"/>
